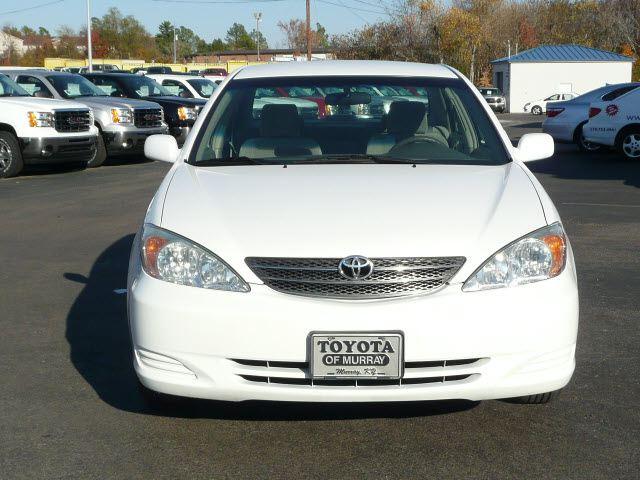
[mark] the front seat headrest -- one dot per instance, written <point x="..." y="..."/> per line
<point x="405" y="117"/>
<point x="280" y="120"/>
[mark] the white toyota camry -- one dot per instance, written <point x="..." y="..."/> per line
<point x="352" y="253"/>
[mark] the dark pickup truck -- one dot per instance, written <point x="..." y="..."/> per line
<point x="179" y="113"/>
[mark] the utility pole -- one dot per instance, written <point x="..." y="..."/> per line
<point x="89" y="46"/>
<point x="258" y="17"/>
<point x="309" y="30"/>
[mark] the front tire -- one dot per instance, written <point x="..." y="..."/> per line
<point x="628" y="143"/>
<point x="101" y="154"/>
<point x="536" y="110"/>
<point x="583" y="145"/>
<point x="10" y="155"/>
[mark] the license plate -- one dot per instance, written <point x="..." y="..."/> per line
<point x="356" y="355"/>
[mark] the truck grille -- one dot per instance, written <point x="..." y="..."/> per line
<point x="73" y="120"/>
<point x="320" y="277"/>
<point x="147" y="117"/>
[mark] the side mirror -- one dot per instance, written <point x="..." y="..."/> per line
<point x="535" y="146"/>
<point x="163" y="148"/>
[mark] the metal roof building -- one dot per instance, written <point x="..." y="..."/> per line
<point x="550" y="70"/>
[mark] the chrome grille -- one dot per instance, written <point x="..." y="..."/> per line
<point x="319" y="277"/>
<point x="415" y="373"/>
<point x="147" y="117"/>
<point x="73" y="120"/>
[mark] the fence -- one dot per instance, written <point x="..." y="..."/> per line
<point x="128" y="64"/>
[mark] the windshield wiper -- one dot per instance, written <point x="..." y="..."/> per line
<point x="353" y="158"/>
<point x="230" y="161"/>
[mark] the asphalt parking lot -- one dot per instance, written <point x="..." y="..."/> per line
<point x="70" y="407"/>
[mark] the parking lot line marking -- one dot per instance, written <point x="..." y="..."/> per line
<point x="120" y="291"/>
<point x="601" y="204"/>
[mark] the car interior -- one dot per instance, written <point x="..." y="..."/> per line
<point x="438" y="125"/>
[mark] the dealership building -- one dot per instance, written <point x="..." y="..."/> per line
<point x="543" y="71"/>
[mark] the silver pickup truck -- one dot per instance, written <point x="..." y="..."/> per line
<point x="124" y="123"/>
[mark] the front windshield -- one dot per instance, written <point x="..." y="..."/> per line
<point x="9" y="88"/>
<point x="203" y="86"/>
<point x="74" y="86"/>
<point x="146" y="87"/>
<point x="372" y="119"/>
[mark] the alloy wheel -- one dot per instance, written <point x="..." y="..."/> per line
<point x="5" y="155"/>
<point x="631" y="145"/>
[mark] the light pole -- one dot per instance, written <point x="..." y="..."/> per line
<point x="175" y="46"/>
<point x="258" y="17"/>
<point x="89" y="46"/>
<point x="308" y="30"/>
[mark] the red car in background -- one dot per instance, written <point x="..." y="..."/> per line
<point x="307" y="93"/>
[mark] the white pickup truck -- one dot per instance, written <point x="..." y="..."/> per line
<point x="39" y="131"/>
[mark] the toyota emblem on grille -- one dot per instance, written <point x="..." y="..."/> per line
<point x="355" y="267"/>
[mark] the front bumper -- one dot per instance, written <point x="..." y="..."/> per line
<point x="196" y="343"/>
<point x="51" y="150"/>
<point x="180" y="133"/>
<point x="129" y="141"/>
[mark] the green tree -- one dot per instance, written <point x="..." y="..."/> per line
<point x="238" y="38"/>
<point x="217" y="45"/>
<point x="259" y="39"/>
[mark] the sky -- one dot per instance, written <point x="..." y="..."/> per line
<point x="207" y="18"/>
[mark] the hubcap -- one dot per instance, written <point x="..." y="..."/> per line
<point x="631" y="145"/>
<point x="5" y="155"/>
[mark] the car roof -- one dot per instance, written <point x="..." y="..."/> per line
<point x="345" y="68"/>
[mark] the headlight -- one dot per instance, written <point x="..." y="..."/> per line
<point x="121" y="115"/>
<point x="362" y="109"/>
<point x="186" y="113"/>
<point x="41" y="119"/>
<point x="538" y="256"/>
<point x="172" y="258"/>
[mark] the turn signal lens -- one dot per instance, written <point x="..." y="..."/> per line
<point x="557" y="246"/>
<point x="593" y="111"/>
<point x="538" y="256"/>
<point x="150" y="250"/>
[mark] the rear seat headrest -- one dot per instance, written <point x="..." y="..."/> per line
<point x="405" y="117"/>
<point x="280" y="120"/>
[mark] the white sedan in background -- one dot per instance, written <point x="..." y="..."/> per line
<point x="538" y="107"/>
<point x="281" y="260"/>
<point x="186" y="86"/>
<point x="616" y="123"/>
<point x="565" y="120"/>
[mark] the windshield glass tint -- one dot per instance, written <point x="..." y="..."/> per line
<point x="203" y="86"/>
<point x="146" y="87"/>
<point x="73" y="86"/>
<point x="346" y="119"/>
<point x="8" y="88"/>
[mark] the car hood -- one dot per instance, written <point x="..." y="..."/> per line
<point x="333" y="211"/>
<point x="189" y="102"/>
<point x="116" y="102"/>
<point x="44" y="103"/>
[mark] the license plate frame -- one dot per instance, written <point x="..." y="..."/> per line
<point x="319" y="369"/>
